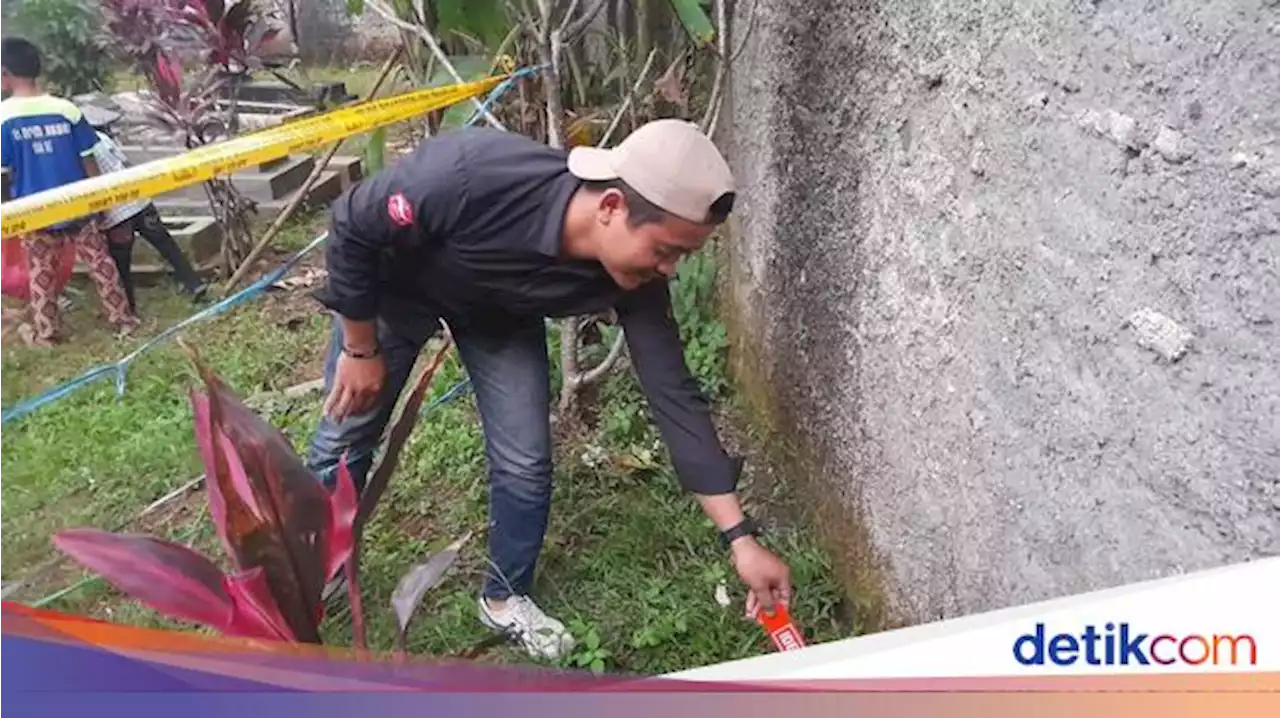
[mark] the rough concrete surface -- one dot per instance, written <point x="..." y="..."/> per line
<point x="1019" y="260"/>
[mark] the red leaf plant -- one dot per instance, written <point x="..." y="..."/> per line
<point x="234" y="35"/>
<point x="142" y="32"/>
<point x="284" y="533"/>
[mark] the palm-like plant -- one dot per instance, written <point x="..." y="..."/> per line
<point x="283" y="533"/>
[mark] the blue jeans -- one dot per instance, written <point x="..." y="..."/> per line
<point x="510" y="375"/>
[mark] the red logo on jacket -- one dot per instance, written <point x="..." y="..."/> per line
<point x="399" y="210"/>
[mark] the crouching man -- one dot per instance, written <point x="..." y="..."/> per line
<point x="493" y="232"/>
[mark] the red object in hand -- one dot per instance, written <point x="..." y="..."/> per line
<point x="786" y="636"/>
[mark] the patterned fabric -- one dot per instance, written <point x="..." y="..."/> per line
<point x="42" y="141"/>
<point x="113" y="159"/>
<point x="43" y="249"/>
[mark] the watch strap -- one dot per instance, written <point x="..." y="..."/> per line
<point x="746" y="527"/>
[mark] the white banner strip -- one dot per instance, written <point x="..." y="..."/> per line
<point x="1219" y="620"/>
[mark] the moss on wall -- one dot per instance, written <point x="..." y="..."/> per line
<point x="793" y="462"/>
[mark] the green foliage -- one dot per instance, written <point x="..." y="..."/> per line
<point x="375" y="151"/>
<point x="484" y="20"/>
<point x="695" y="21"/>
<point x="590" y="652"/>
<point x="693" y="300"/>
<point x="66" y="31"/>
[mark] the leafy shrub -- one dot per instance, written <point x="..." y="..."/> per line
<point x="66" y="31"/>
<point x="284" y="534"/>
<point x="693" y="300"/>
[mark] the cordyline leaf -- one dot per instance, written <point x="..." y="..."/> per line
<point x="228" y="480"/>
<point x="399" y="434"/>
<point x="169" y="577"/>
<point x="287" y="541"/>
<point x="198" y="13"/>
<point x="378" y="483"/>
<point x="282" y="525"/>
<point x="254" y="612"/>
<point x="135" y="27"/>
<point x="168" y="79"/>
<point x="420" y="579"/>
<point x="343" y="506"/>
<point x="265" y="38"/>
<point x="238" y="18"/>
<point x="231" y="30"/>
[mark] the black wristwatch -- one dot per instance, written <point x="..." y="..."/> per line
<point x="746" y="527"/>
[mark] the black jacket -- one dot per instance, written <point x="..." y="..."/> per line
<point x="468" y="229"/>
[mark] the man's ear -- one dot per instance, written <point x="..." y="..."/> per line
<point x="611" y="202"/>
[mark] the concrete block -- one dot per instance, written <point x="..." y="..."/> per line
<point x="280" y="180"/>
<point x="271" y="116"/>
<point x="325" y="190"/>
<point x="259" y="185"/>
<point x="139" y="154"/>
<point x="350" y="169"/>
<point x="271" y="91"/>
<point x="285" y="110"/>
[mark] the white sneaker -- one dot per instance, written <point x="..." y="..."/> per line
<point x="541" y="635"/>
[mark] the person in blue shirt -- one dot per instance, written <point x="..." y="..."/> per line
<point x="45" y="142"/>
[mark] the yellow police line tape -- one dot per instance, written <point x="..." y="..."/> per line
<point x="157" y="177"/>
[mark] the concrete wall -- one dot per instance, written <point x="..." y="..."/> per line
<point x="1009" y="270"/>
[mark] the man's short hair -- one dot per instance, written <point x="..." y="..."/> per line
<point x="641" y="211"/>
<point x="20" y="58"/>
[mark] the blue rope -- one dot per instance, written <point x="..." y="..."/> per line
<point x="454" y="392"/>
<point x="501" y="90"/>
<point x="119" y="369"/>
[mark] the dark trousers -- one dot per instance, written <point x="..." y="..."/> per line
<point x="149" y="224"/>
<point x="510" y="374"/>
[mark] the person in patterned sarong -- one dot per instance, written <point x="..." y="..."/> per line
<point x="45" y="142"/>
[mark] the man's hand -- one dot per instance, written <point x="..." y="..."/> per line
<point x="765" y="574"/>
<point x="356" y="385"/>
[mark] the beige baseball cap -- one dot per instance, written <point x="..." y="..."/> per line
<point x="669" y="162"/>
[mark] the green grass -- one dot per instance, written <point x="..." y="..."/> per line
<point x="630" y="562"/>
<point x="93" y="458"/>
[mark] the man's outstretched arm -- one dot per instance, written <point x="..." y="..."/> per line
<point x="683" y="416"/>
